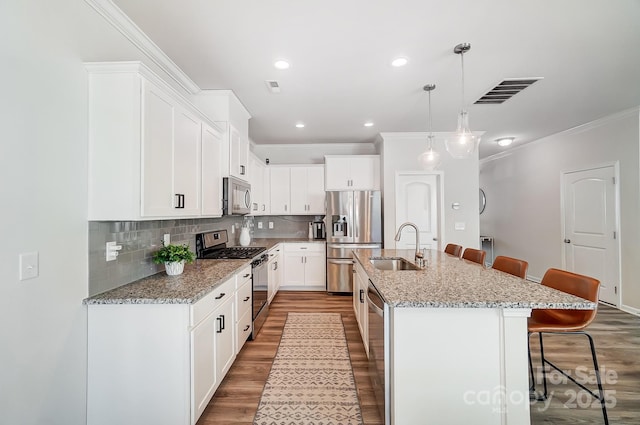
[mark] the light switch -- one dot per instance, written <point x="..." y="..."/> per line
<point x="460" y="225"/>
<point x="166" y="239"/>
<point x="271" y="225"/>
<point x="29" y="265"/>
<point x="259" y="225"/>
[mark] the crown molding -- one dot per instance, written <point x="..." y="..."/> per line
<point x="120" y="21"/>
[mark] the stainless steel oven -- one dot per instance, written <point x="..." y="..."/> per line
<point x="260" y="283"/>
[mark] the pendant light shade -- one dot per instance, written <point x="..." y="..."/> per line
<point x="429" y="159"/>
<point x="463" y="142"/>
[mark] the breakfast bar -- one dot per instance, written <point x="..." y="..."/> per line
<point x="455" y="337"/>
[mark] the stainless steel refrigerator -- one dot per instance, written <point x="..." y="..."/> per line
<point x="353" y="220"/>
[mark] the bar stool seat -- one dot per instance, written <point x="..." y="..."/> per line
<point x="566" y="322"/>
<point x="511" y="265"/>
<point x="475" y="255"/>
<point x="453" y="249"/>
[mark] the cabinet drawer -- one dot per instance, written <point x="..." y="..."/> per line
<point x="243" y="330"/>
<point x="243" y="276"/>
<point x="304" y="247"/>
<point x="206" y="305"/>
<point x="243" y="299"/>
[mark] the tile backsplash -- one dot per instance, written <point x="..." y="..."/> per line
<point x="140" y="239"/>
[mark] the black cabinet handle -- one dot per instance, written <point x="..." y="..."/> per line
<point x="362" y="296"/>
<point x="246" y="328"/>
<point x="179" y="200"/>
<point x="247" y="275"/>
<point x="222" y="315"/>
<point x="247" y="299"/>
<point x="220" y="296"/>
<point x="242" y="170"/>
<point x="219" y="320"/>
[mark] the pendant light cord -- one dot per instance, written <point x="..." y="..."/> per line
<point x="462" y="61"/>
<point x="430" y="137"/>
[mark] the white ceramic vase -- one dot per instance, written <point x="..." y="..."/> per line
<point x="245" y="237"/>
<point x="174" y="268"/>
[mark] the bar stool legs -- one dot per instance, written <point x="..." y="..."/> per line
<point x="533" y="394"/>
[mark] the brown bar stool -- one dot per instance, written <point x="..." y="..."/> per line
<point x="567" y="322"/>
<point x="475" y="255"/>
<point x="511" y="265"/>
<point x="453" y="249"/>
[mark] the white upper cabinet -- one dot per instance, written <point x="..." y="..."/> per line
<point x="352" y="172"/>
<point x="280" y="190"/>
<point x="307" y="189"/>
<point x="211" y="171"/>
<point x="260" y="186"/>
<point x="224" y="106"/>
<point x="145" y="147"/>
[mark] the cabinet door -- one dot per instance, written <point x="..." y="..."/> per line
<point x="234" y="152"/>
<point x="203" y="367"/>
<point x="299" y="197"/>
<point x="271" y="288"/>
<point x="315" y="190"/>
<point x="211" y="171"/>
<point x="186" y="163"/>
<point x="315" y="269"/>
<point x="157" y="153"/>
<point x="265" y="208"/>
<point x="337" y="174"/>
<point x="294" y="269"/>
<point x="280" y="189"/>
<point x="224" y="328"/>
<point x="257" y="190"/>
<point x="364" y="173"/>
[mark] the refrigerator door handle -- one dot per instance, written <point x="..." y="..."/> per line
<point x="354" y="246"/>
<point x="334" y="261"/>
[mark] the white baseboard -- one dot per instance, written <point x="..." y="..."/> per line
<point x="632" y="310"/>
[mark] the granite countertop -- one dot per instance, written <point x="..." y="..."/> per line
<point x="449" y="282"/>
<point x="198" y="279"/>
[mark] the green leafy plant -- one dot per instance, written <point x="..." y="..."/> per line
<point x="173" y="253"/>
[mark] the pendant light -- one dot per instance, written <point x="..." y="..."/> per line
<point x="463" y="143"/>
<point x="429" y="159"/>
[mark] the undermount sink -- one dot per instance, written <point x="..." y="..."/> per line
<point x="394" y="264"/>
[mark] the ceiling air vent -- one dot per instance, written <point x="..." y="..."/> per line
<point x="273" y="86"/>
<point x="505" y="90"/>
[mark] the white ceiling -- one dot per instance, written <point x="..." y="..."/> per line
<point x="587" y="51"/>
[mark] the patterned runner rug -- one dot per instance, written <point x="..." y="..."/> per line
<point x="311" y="381"/>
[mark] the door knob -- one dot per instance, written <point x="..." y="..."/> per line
<point x="567" y="241"/>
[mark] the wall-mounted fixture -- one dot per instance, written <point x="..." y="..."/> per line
<point x="430" y="158"/>
<point x="464" y="142"/>
<point x="505" y="141"/>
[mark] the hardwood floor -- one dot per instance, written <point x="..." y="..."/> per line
<point x="616" y="335"/>
<point x="236" y="400"/>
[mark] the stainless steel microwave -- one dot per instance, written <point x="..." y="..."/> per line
<point x="236" y="196"/>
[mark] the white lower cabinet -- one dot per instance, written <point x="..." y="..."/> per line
<point x="244" y="310"/>
<point x="360" y="307"/>
<point x="162" y="363"/>
<point x="275" y="272"/>
<point x="304" y="266"/>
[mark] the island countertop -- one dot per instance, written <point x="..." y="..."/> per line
<point x="449" y="282"/>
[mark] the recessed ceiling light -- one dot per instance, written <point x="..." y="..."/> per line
<point x="368" y="124"/>
<point x="505" y="141"/>
<point x="399" y="62"/>
<point x="281" y="64"/>
<point x="300" y="125"/>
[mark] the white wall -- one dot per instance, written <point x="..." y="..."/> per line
<point x="523" y="195"/>
<point x="309" y="154"/>
<point x="43" y="184"/>
<point x="399" y="152"/>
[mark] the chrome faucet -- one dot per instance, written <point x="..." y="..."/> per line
<point x="419" y="258"/>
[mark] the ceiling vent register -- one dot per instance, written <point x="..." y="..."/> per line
<point x="273" y="86"/>
<point x="505" y="90"/>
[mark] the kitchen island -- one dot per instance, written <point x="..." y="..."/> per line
<point x="455" y="339"/>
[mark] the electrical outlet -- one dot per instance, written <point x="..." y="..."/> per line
<point x="271" y="225"/>
<point x="259" y="225"/>
<point x="29" y="265"/>
<point x="166" y="239"/>
<point x="233" y="229"/>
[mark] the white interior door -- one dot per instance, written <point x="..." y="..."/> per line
<point x="417" y="198"/>
<point x="590" y="225"/>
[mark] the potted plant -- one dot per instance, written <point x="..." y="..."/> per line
<point x="174" y="257"/>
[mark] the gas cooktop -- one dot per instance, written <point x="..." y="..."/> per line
<point x="213" y="246"/>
